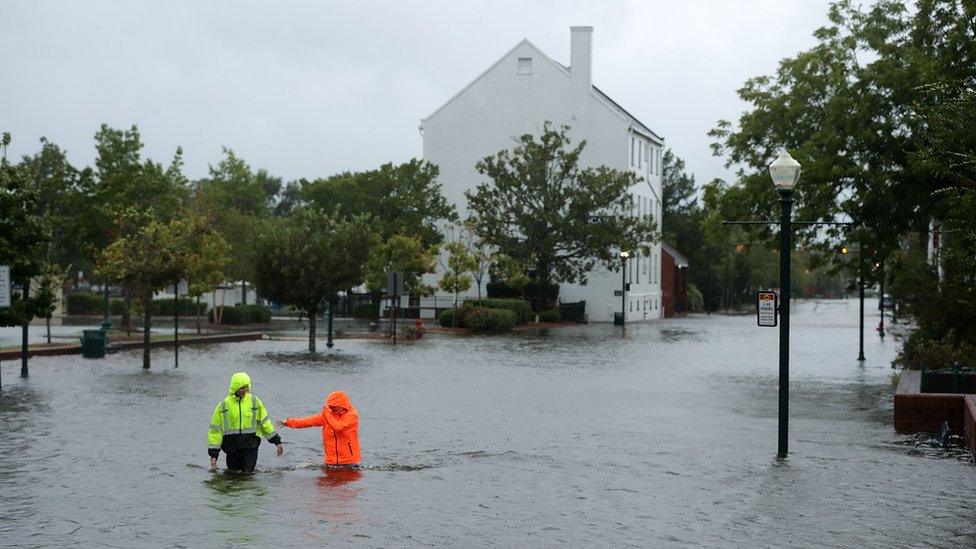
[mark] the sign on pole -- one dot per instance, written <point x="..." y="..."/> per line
<point x="767" y="309"/>
<point x="394" y="283"/>
<point x="4" y="285"/>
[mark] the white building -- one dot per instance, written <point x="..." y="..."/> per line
<point x="515" y="96"/>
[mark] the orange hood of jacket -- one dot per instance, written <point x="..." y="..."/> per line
<point x="340" y="433"/>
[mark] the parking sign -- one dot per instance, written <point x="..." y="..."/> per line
<point x="767" y="309"/>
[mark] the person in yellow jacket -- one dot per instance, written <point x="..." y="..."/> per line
<point x="237" y="420"/>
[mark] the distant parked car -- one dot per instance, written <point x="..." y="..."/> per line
<point x="887" y="302"/>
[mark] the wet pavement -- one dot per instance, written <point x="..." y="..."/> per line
<point x="662" y="436"/>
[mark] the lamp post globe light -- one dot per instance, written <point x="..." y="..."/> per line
<point x="785" y="172"/>
<point x="624" y="254"/>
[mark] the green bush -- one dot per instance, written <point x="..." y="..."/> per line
<point x="920" y="350"/>
<point x="258" y="314"/>
<point x="446" y="318"/>
<point x="164" y="307"/>
<point x="237" y="316"/>
<point x="492" y="321"/>
<point x="521" y="308"/>
<point x="551" y="315"/>
<point x="366" y="310"/>
<point x="91" y="304"/>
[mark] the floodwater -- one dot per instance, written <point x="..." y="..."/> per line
<point x="664" y="435"/>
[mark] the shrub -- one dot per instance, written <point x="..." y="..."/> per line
<point x="91" y="304"/>
<point x="521" y="308"/>
<point x="258" y="314"/>
<point x="492" y="321"/>
<point x="366" y="310"/>
<point x="446" y="318"/>
<point x="550" y="315"/>
<point x="920" y="350"/>
<point x="164" y="307"/>
<point x="237" y="316"/>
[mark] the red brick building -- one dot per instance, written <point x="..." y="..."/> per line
<point x="674" y="281"/>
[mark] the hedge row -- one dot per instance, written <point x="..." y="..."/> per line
<point x="491" y="321"/>
<point x="92" y="304"/>
<point x="186" y="307"/>
<point x="244" y="314"/>
<point x="550" y="315"/>
<point x="521" y="308"/>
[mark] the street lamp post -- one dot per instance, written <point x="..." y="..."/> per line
<point x="881" y="331"/>
<point x="860" y="295"/>
<point x="785" y="172"/>
<point x="623" y="287"/>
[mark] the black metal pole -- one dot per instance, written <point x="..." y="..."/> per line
<point x="881" y="331"/>
<point x="23" y="340"/>
<point x="785" y="247"/>
<point x="328" y="341"/>
<point x="623" y="293"/>
<point x="106" y="309"/>
<point x="860" y="293"/>
<point x="176" y="324"/>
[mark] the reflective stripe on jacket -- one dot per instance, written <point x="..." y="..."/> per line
<point x="340" y="433"/>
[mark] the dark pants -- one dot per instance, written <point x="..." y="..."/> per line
<point x="242" y="460"/>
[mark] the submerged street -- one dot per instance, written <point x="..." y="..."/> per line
<point x="662" y="435"/>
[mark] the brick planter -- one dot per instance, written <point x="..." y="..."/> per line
<point x="916" y="411"/>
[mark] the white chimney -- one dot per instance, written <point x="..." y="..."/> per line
<point x="581" y="56"/>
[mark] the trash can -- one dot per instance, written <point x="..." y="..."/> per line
<point x="618" y="319"/>
<point x="93" y="343"/>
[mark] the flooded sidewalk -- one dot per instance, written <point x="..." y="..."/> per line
<point x="660" y="435"/>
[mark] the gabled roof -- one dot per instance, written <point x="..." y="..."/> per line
<point x="679" y="259"/>
<point x="492" y="66"/>
<point x="613" y="105"/>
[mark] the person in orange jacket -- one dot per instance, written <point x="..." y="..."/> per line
<point x="340" y="429"/>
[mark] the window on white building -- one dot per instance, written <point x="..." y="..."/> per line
<point x="525" y="65"/>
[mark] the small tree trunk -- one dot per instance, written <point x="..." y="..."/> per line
<point x="198" y="315"/>
<point x="146" y="321"/>
<point x="176" y="324"/>
<point x="311" y="330"/>
<point x="48" y="323"/>
<point x="23" y="334"/>
<point x="243" y="292"/>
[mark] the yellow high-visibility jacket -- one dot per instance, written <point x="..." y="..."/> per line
<point x="237" y="422"/>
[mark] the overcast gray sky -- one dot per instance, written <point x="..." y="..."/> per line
<point x="308" y="89"/>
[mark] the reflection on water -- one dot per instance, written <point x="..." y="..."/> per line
<point x="238" y="500"/>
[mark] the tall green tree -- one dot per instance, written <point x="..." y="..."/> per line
<point x="853" y="110"/>
<point x="404" y="254"/>
<point x="24" y="238"/>
<point x="539" y="204"/>
<point x="240" y="201"/>
<point x="310" y="256"/>
<point x="155" y="256"/>
<point x="403" y="199"/>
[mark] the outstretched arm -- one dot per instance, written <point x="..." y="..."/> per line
<point x="314" y="420"/>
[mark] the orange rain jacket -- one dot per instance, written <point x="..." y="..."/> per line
<point x="340" y="433"/>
